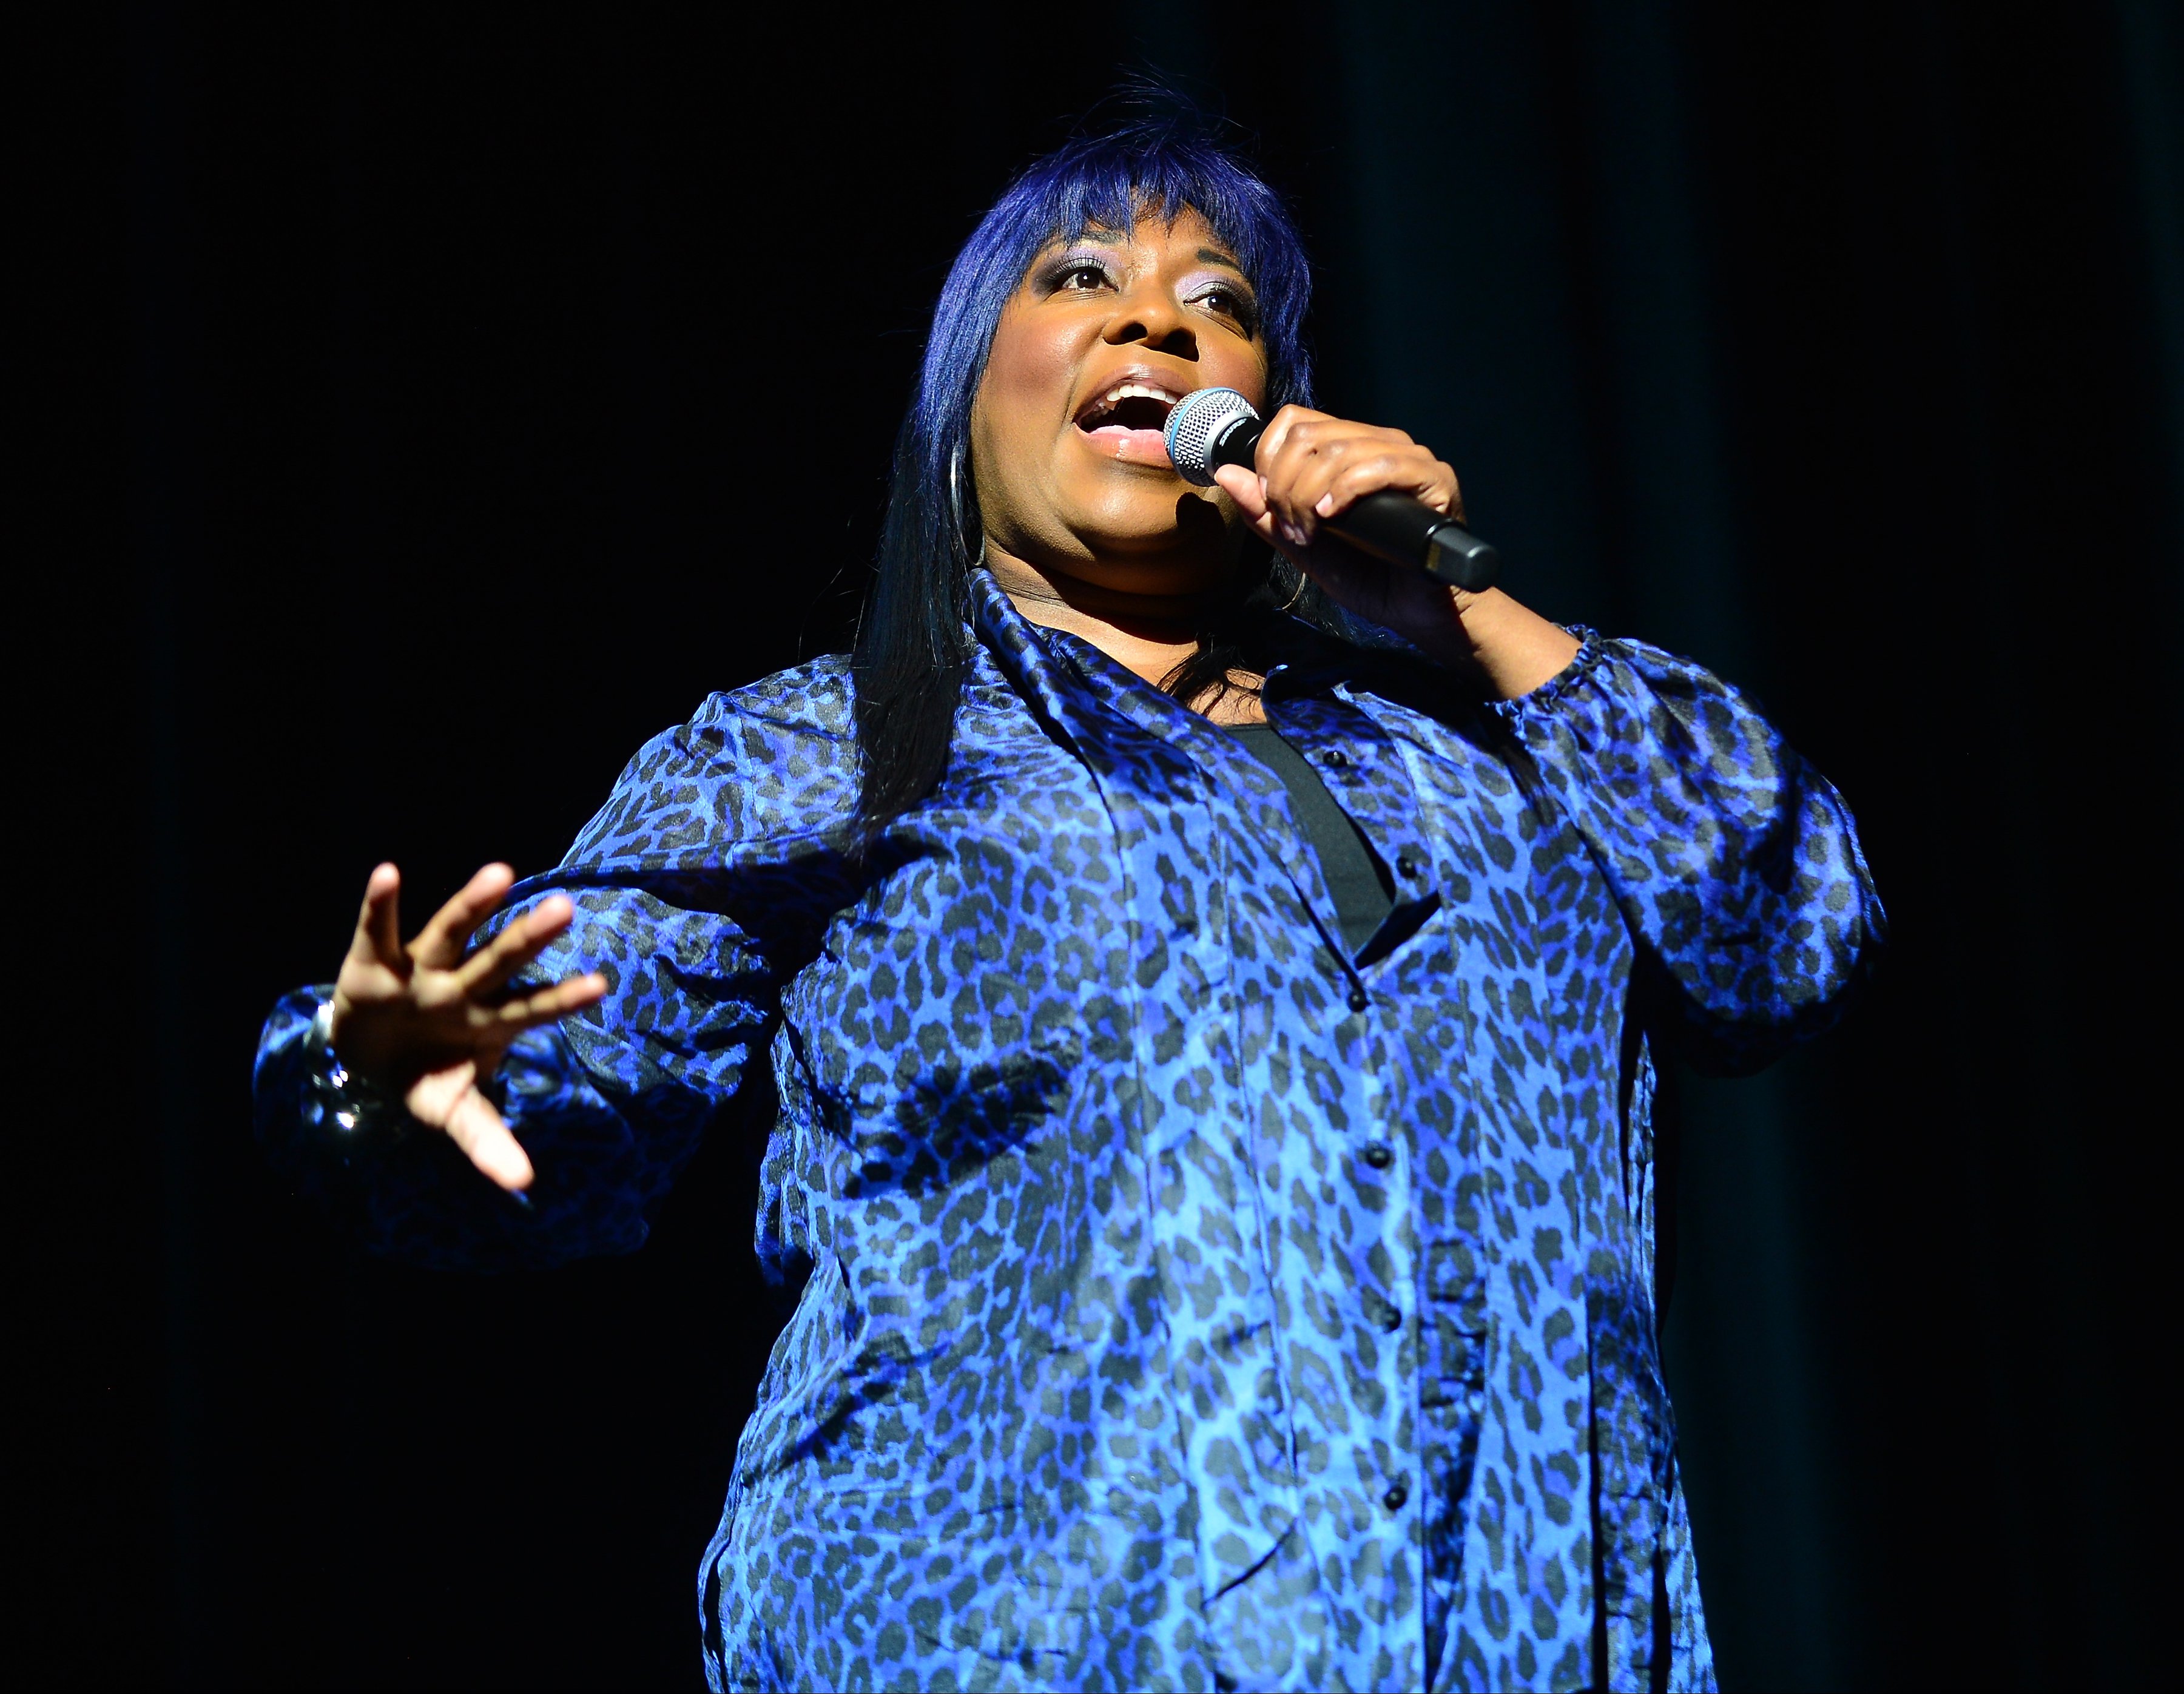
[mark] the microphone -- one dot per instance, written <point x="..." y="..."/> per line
<point x="1211" y="428"/>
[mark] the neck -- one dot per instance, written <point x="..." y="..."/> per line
<point x="1149" y="635"/>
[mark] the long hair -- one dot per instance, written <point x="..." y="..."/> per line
<point x="911" y="644"/>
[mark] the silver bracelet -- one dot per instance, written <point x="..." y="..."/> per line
<point x="349" y="1102"/>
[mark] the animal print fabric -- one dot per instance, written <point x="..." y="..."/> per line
<point x="1186" y="1305"/>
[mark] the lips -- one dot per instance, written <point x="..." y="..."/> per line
<point x="1128" y="419"/>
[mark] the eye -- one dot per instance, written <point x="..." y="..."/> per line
<point x="1080" y="276"/>
<point x="1230" y="302"/>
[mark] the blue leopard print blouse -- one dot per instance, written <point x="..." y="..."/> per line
<point x="1189" y="1305"/>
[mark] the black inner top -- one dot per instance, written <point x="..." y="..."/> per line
<point x="1362" y="891"/>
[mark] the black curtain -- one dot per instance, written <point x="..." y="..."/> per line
<point x="437" y="403"/>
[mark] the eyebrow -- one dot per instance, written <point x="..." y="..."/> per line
<point x="1105" y="237"/>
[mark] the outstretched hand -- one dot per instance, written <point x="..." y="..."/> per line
<point x="426" y="1021"/>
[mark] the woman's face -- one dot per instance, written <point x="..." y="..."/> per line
<point x="1106" y="333"/>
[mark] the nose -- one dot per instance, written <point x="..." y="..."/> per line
<point x="1149" y="317"/>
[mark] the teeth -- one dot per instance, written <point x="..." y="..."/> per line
<point x="1129" y="390"/>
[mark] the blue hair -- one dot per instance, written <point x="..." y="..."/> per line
<point x="910" y="652"/>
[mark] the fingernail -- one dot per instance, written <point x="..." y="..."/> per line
<point x="1325" y="508"/>
<point x="1291" y="533"/>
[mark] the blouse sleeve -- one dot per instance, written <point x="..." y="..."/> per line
<point x="709" y="865"/>
<point x="610" y="1105"/>
<point x="1736" y="864"/>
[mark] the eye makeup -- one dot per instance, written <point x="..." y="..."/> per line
<point x="1053" y="272"/>
<point x="1244" y="305"/>
<point x="1051" y="275"/>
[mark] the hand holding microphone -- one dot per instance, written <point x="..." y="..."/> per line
<point x="1374" y="489"/>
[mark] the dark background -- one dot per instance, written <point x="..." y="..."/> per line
<point x="449" y="399"/>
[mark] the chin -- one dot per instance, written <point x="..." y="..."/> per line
<point x="1139" y="514"/>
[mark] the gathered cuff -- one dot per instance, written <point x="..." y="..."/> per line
<point x="1592" y="649"/>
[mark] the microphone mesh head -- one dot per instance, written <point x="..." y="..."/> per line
<point x="1196" y="419"/>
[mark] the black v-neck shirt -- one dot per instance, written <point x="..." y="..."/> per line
<point x="1357" y="882"/>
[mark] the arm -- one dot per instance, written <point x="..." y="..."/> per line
<point x="1736" y="864"/>
<point x="532" y="1097"/>
<point x="1312" y="466"/>
<point x="602" y="1111"/>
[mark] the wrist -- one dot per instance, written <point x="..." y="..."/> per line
<point x="1508" y="647"/>
<point x="351" y="1101"/>
<point x="1449" y="637"/>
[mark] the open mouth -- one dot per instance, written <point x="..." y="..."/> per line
<point x="1130" y="421"/>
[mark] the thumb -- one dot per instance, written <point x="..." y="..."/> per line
<point x="378" y="938"/>
<point x="1243" y="485"/>
<point x="450" y="1100"/>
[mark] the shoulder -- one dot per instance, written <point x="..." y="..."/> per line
<point x="802" y="713"/>
<point x="775" y="758"/>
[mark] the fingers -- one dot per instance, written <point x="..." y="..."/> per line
<point x="439" y="945"/>
<point x="484" y="1137"/>
<point x="449" y="1099"/>
<point x="562" y="998"/>
<point x="1325" y="470"/>
<point x="1276" y="434"/>
<point x="376" y="973"/>
<point x="378" y="939"/>
<point x="1312" y="466"/>
<point x="514" y="947"/>
<point x="1414" y="473"/>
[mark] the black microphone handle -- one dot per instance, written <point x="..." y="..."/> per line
<point x="1397" y="527"/>
<point x="1405" y="531"/>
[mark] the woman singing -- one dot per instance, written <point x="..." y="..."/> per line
<point x="1200" y="981"/>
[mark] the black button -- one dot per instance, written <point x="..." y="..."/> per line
<point x="1392" y="1320"/>
<point x="1358" y="1002"/>
<point x="1406" y="866"/>
<point x="1379" y="1156"/>
<point x="1338" y="759"/>
<point x="1394" y="1497"/>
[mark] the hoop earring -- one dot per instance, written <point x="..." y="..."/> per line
<point x="956" y="507"/>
